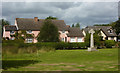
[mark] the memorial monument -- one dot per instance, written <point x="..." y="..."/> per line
<point x="92" y="48"/>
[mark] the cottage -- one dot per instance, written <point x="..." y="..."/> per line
<point x="105" y="31"/>
<point x="32" y="26"/>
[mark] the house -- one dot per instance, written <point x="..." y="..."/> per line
<point x="106" y="32"/>
<point x="32" y="26"/>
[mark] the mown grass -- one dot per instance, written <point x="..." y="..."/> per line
<point x="66" y="60"/>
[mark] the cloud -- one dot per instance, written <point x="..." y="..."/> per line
<point x="87" y="13"/>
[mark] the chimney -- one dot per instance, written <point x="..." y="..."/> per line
<point x="35" y="19"/>
<point x="68" y="26"/>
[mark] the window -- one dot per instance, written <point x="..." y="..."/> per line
<point x="11" y="32"/>
<point x="112" y="38"/>
<point x="110" y="31"/>
<point x="12" y="38"/>
<point x="72" y="39"/>
<point x="29" y="31"/>
<point x="63" y="31"/>
<point x="80" y="40"/>
<point x="62" y="39"/>
<point x="29" y="40"/>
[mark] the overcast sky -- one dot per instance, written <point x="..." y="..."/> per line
<point x="86" y="13"/>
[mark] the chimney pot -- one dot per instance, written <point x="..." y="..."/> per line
<point x="35" y="19"/>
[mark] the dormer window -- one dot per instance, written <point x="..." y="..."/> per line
<point x="110" y="31"/>
<point x="11" y="32"/>
<point x="29" y="31"/>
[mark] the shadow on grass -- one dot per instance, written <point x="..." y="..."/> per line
<point x="6" y="64"/>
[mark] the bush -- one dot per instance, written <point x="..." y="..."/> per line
<point x="46" y="49"/>
<point x="109" y="43"/>
<point x="14" y="47"/>
<point x="119" y="44"/>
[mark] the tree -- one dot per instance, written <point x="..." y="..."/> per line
<point x="3" y="23"/>
<point x="73" y="25"/>
<point x="77" y="25"/>
<point x="48" y="32"/>
<point x="117" y="26"/>
<point x="22" y="35"/>
<point x="50" y="17"/>
<point x="87" y="39"/>
<point x="97" y="38"/>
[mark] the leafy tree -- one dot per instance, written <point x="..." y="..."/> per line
<point x="22" y="35"/>
<point x="117" y="26"/>
<point x="48" y="32"/>
<point x="77" y="25"/>
<point x="3" y="23"/>
<point x="50" y="17"/>
<point x="97" y="38"/>
<point x="73" y="25"/>
<point x="87" y="39"/>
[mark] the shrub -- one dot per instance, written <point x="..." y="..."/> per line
<point x="46" y="49"/>
<point x="109" y="43"/>
<point x="119" y="44"/>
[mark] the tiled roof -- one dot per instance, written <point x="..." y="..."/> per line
<point x="75" y="32"/>
<point x="31" y="24"/>
<point x="103" y="28"/>
<point x="10" y="27"/>
<point x="108" y="33"/>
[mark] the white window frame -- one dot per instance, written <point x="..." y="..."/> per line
<point x="29" y="40"/>
<point x="12" y="32"/>
<point x="63" y="31"/>
<point x="62" y="39"/>
<point x="79" y="39"/>
<point x="72" y="39"/>
<point x="29" y="31"/>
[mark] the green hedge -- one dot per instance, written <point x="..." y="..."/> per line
<point x="17" y="46"/>
<point x="109" y="43"/>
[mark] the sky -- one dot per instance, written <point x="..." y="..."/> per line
<point x="85" y="13"/>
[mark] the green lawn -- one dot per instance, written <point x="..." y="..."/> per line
<point x="64" y="60"/>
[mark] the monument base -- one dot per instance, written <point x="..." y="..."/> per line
<point x="92" y="49"/>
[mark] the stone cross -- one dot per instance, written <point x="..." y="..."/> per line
<point x="91" y="38"/>
<point x="92" y="48"/>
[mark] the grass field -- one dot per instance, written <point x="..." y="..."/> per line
<point x="63" y="60"/>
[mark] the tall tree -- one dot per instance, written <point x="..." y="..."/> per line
<point x="77" y="25"/>
<point x="48" y="32"/>
<point x="50" y="17"/>
<point x="73" y="25"/>
<point x="3" y="23"/>
<point x="117" y="26"/>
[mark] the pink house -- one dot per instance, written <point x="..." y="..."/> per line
<point x="32" y="26"/>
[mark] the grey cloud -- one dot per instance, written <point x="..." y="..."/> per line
<point x="85" y="13"/>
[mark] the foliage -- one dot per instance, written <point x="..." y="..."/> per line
<point x="3" y="23"/>
<point x="77" y="25"/>
<point x="117" y="26"/>
<point x="97" y="38"/>
<point x="73" y="25"/>
<point x="48" y="33"/>
<point x="50" y="17"/>
<point x="87" y="39"/>
<point x="101" y="24"/>
<point x="22" y="35"/>
<point x="109" y="43"/>
<point x="46" y="49"/>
